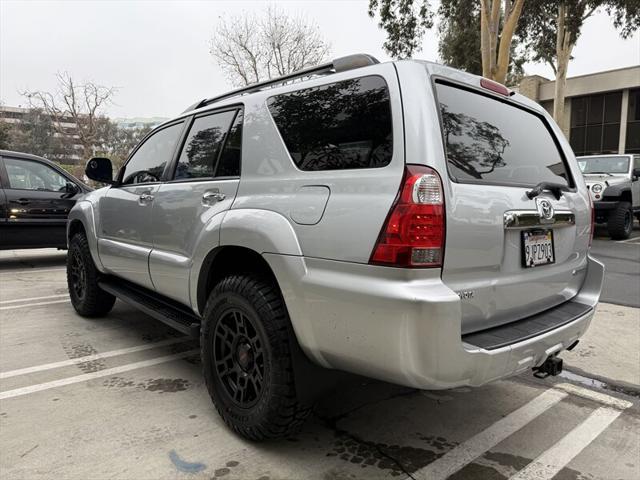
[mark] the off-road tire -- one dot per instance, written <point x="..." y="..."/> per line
<point x="276" y="412"/>
<point x="88" y="299"/>
<point x="620" y="221"/>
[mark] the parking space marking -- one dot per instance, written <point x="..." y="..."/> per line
<point x="550" y="462"/>
<point x="595" y="396"/>
<point x="471" y="449"/>
<point x="90" y="376"/>
<point x="35" y="270"/>
<point x="19" y="300"/>
<point x="632" y="240"/>
<point x="89" y="358"/>
<point x="13" y="307"/>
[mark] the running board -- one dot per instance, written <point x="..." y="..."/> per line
<point x="171" y="313"/>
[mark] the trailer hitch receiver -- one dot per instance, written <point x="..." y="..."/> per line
<point x="551" y="366"/>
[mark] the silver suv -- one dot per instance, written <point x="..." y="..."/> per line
<point x="613" y="181"/>
<point x="403" y="221"/>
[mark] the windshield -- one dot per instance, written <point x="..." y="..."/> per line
<point x="610" y="164"/>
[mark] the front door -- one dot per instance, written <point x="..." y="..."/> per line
<point x="125" y="239"/>
<point x="203" y="185"/>
<point x="38" y="200"/>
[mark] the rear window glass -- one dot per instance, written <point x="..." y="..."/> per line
<point x="490" y="141"/>
<point x="344" y="125"/>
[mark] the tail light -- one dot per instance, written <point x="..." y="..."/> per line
<point x="413" y="234"/>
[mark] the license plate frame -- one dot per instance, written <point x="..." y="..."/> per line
<point x="526" y="235"/>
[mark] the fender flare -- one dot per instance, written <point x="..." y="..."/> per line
<point x="261" y="231"/>
<point x="83" y="212"/>
<point x="616" y="191"/>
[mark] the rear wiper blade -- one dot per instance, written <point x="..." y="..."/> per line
<point x="555" y="188"/>
<point x="600" y="173"/>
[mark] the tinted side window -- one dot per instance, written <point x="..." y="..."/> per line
<point x="202" y="147"/>
<point x="339" y="126"/>
<point x="491" y="141"/>
<point x="149" y="161"/>
<point x="29" y="175"/>
<point x="229" y="163"/>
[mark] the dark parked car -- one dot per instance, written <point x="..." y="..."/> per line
<point x="35" y="198"/>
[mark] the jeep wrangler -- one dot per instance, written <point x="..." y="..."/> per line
<point x="403" y="221"/>
<point x="613" y="183"/>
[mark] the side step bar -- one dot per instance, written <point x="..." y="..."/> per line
<point x="167" y="311"/>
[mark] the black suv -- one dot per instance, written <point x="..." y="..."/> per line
<point x="35" y="198"/>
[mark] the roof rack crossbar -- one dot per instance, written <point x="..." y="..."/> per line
<point x="337" y="65"/>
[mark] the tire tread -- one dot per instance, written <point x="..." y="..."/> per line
<point x="285" y="414"/>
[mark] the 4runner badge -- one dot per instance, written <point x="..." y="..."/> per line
<point x="465" y="294"/>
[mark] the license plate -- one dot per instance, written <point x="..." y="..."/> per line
<point x="537" y="248"/>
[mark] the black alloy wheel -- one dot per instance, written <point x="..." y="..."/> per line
<point x="87" y="298"/>
<point x="239" y="358"/>
<point x="77" y="275"/>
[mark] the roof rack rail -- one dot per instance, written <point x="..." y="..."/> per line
<point x="341" y="64"/>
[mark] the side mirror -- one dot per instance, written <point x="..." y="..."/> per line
<point x="70" y="189"/>
<point x="635" y="173"/>
<point x="100" y="170"/>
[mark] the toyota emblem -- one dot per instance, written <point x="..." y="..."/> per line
<point x="545" y="209"/>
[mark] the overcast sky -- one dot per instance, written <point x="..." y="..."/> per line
<point x="156" y="52"/>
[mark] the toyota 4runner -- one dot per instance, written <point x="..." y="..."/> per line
<point x="404" y="221"/>
<point x="613" y="181"/>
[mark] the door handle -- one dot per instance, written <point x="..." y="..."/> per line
<point x="22" y="201"/>
<point x="209" y="198"/>
<point x="145" y="198"/>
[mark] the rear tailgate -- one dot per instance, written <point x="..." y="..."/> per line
<point x="507" y="256"/>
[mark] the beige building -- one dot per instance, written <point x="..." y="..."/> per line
<point x="602" y="110"/>
<point x="16" y="115"/>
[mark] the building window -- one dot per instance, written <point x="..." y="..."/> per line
<point x="633" y="122"/>
<point x="595" y="123"/>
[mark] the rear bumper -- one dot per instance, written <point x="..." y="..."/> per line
<point x="404" y="327"/>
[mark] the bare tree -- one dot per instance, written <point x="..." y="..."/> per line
<point x="75" y="108"/>
<point x="252" y="48"/>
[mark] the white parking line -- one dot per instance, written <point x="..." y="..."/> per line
<point x="549" y="463"/>
<point x="633" y="240"/>
<point x="34" y="270"/>
<point x="20" y="300"/>
<point x="595" y="396"/>
<point x="13" y="307"/>
<point x="469" y="450"/>
<point x="90" y="376"/>
<point x="89" y="358"/>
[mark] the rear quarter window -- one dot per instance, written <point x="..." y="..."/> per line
<point x="343" y="125"/>
<point x="490" y="141"/>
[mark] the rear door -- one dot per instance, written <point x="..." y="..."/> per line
<point x="507" y="256"/>
<point x="202" y="184"/>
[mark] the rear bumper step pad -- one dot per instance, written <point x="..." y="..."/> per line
<point x="514" y="332"/>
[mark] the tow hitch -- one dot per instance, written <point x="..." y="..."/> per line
<point x="551" y="366"/>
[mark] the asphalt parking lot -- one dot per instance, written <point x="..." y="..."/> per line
<point x="123" y="397"/>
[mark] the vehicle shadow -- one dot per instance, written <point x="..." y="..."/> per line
<point x="38" y="258"/>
